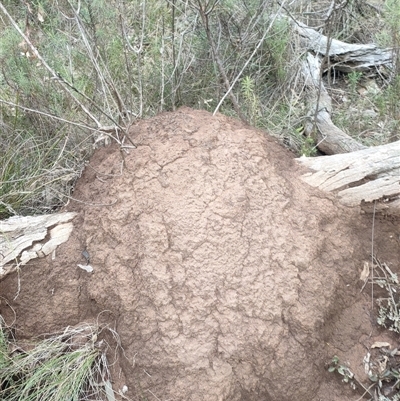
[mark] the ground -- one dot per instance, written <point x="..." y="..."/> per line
<point x="225" y="276"/>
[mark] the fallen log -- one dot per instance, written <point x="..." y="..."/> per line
<point x="29" y="237"/>
<point x="339" y="56"/>
<point x="369" y="178"/>
<point x="345" y="57"/>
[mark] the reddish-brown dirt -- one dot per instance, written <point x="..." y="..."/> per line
<point x="224" y="275"/>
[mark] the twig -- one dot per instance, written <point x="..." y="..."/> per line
<point x="372" y="255"/>
<point x="367" y="390"/>
<point x="175" y="72"/>
<point x="100" y="73"/>
<point x="138" y="51"/>
<point x="204" y="14"/>
<point x="18" y="281"/>
<point x="375" y="7"/>
<point x="2" y="321"/>
<point x="327" y="60"/>
<point x="228" y="92"/>
<point x="89" y="50"/>
<point x="162" y="51"/>
<point x="128" y="68"/>
<point x="103" y="129"/>
<point x="152" y="392"/>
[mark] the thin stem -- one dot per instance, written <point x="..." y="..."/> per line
<point x="372" y="255"/>
<point x="103" y="129"/>
<point x="204" y="14"/>
<point x="247" y="62"/>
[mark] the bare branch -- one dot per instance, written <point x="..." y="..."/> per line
<point x="104" y="129"/>
<point x="247" y="62"/>
<point x="204" y="17"/>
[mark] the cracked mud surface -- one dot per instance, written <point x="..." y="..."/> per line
<point x="225" y="276"/>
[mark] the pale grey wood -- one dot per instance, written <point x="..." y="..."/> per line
<point x="345" y="57"/>
<point x="342" y="56"/>
<point x="360" y="177"/>
<point x="22" y="238"/>
<point x="330" y="139"/>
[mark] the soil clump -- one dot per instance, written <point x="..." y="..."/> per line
<point x="225" y="276"/>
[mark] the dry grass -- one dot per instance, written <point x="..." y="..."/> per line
<point x="65" y="366"/>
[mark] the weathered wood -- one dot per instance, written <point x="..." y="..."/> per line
<point x="360" y="178"/>
<point x="344" y="57"/>
<point x="330" y="139"/>
<point x="20" y="238"/>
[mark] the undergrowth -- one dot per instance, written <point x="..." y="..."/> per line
<point x="76" y="72"/>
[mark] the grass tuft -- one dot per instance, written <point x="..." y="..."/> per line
<point x="66" y="366"/>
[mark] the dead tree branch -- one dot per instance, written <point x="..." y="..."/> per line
<point x="330" y="139"/>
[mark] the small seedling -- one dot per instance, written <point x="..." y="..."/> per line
<point x="344" y="371"/>
<point x="354" y="79"/>
<point x="308" y="147"/>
